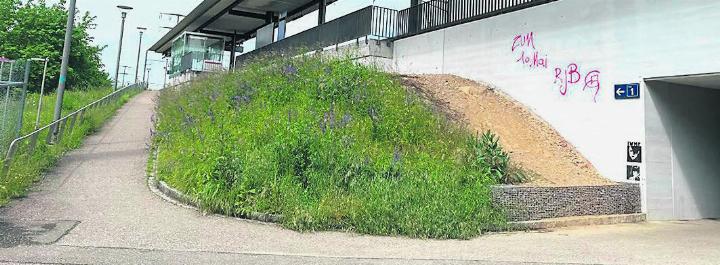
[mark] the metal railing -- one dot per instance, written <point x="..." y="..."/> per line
<point x="436" y="14"/>
<point x="378" y="22"/>
<point x="55" y="131"/>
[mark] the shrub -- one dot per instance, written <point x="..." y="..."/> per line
<point x="489" y="156"/>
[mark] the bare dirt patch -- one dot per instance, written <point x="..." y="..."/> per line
<point x="531" y="142"/>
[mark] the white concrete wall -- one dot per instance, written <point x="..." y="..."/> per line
<point x="615" y="41"/>
<point x="683" y="156"/>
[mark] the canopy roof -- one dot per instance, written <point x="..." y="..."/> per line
<point x="239" y="18"/>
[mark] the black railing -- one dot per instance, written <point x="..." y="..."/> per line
<point x="436" y="14"/>
<point x="385" y="23"/>
<point x="373" y="21"/>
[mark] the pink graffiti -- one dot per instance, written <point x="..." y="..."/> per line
<point x="566" y="77"/>
<point x="534" y="60"/>
<point x="527" y="40"/>
<point x="570" y="76"/>
<point x="529" y="55"/>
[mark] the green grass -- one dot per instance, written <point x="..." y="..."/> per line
<point x="329" y="145"/>
<point x="27" y="168"/>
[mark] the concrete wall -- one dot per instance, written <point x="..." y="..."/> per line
<point x="583" y="48"/>
<point x="683" y="152"/>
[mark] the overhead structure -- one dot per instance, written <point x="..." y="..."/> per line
<point x="238" y="20"/>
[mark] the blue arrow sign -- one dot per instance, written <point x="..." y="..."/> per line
<point x="627" y="91"/>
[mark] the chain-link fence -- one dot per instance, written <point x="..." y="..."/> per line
<point x="13" y="87"/>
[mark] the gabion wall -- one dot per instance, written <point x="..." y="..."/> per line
<point x="535" y="203"/>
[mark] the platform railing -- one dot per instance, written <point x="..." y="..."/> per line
<point x="369" y="22"/>
<point x="437" y="14"/>
<point x="384" y="23"/>
<point x="57" y="130"/>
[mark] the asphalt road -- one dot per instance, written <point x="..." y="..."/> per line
<point x="95" y="207"/>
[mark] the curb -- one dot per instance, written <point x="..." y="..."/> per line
<point x="176" y="197"/>
<point x="579" y="221"/>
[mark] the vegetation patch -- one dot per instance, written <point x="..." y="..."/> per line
<point x="27" y="168"/>
<point x="330" y="145"/>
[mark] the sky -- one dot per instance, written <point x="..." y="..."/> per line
<point x="146" y="13"/>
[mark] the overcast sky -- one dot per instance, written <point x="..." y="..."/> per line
<point x="147" y="14"/>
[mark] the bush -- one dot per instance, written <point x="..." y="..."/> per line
<point x="490" y="157"/>
<point x="330" y="145"/>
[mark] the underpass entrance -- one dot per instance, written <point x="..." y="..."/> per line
<point x="682" y="127"/>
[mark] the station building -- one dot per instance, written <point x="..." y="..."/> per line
<point x="633" y="85"/>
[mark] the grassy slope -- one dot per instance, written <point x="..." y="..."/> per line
<point x="328" y="144"/>
<point x="26" y="169"/>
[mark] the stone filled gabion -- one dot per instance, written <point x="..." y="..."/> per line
<point x="536" y="203"/>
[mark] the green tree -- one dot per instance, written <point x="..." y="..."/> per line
<point x="35" y="29"/>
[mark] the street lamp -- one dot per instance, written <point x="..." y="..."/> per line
<point x="124" y="10"/>
<point x="137" y="64"/>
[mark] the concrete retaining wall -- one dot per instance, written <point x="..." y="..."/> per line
<point x="535" y="203"/>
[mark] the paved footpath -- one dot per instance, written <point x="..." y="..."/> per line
<point x="96" y="207"/>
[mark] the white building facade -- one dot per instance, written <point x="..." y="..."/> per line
<point x="633" y="84"/>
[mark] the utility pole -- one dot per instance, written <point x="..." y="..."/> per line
<point x="64" y="66"/>
<point x="124" y="73"/>
<point x="137" y="64"/>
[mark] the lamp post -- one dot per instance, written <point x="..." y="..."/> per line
<point x="137" y="64"/>
<point x="64" y="66"/>
<point x="124" y="10"/>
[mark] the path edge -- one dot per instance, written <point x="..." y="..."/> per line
<point x="174" y="196"/>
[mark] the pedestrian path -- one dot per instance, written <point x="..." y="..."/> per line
<point x="96" y="207"/>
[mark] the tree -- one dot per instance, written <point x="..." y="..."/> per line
<point x="35" y="29"/>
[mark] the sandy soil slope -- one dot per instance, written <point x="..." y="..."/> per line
<point x="531" y="141"/>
